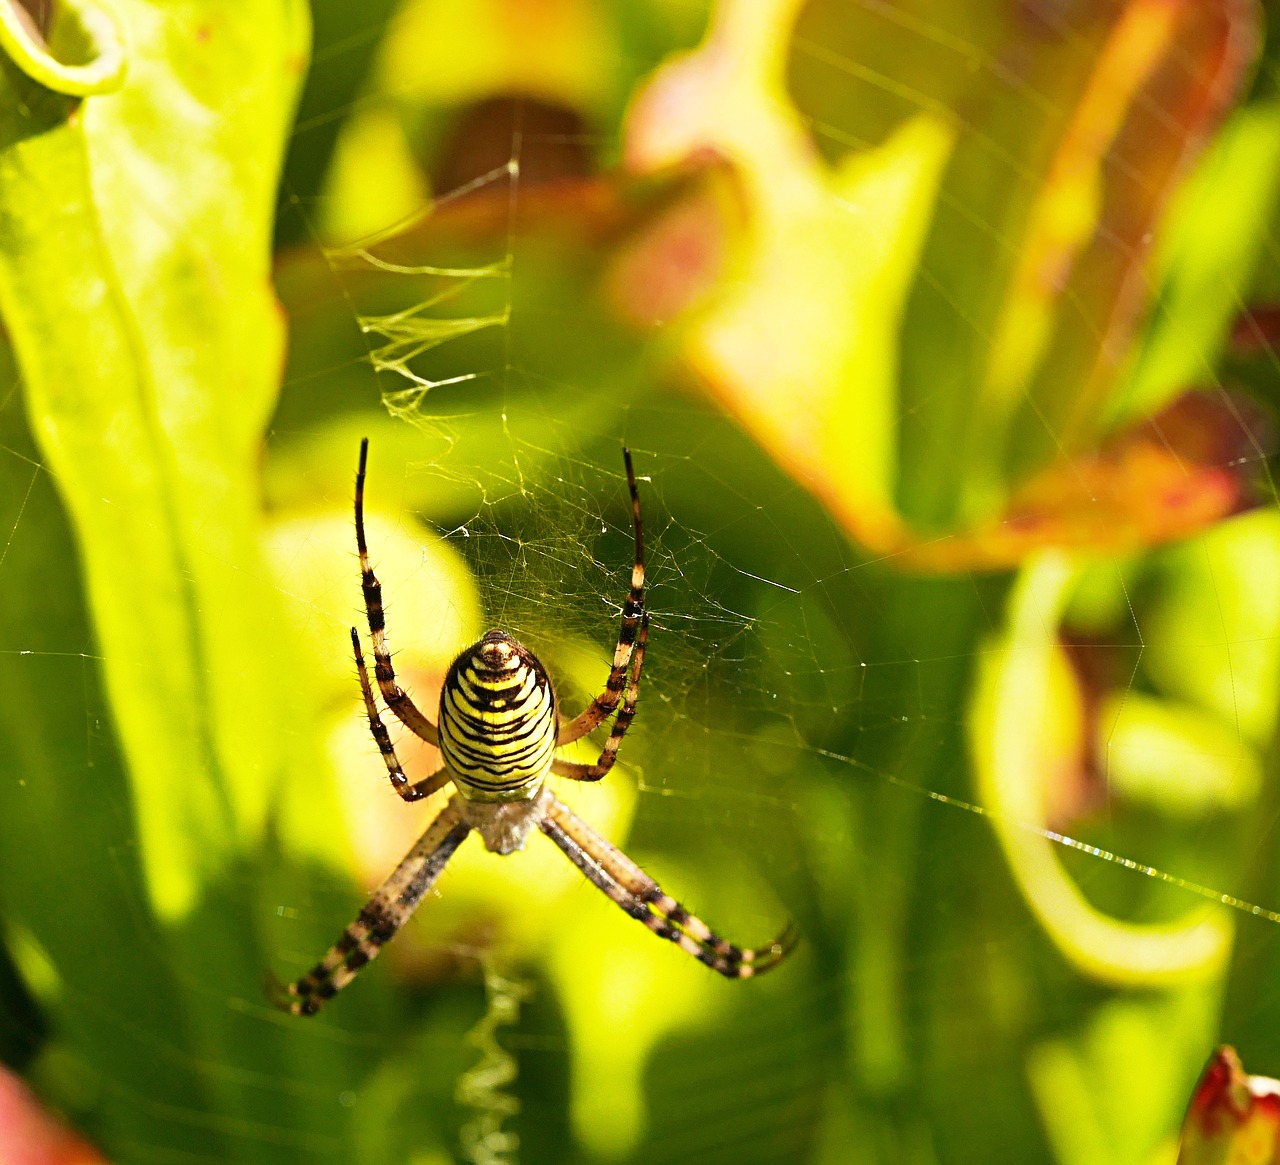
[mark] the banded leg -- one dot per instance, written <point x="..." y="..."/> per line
<point x="383" y="916"/>
<point x="632" y="612"/>
<point x="642" y="898"/>
<point x="593" y="772"/>
<point x="397" y="699"/>
<point x="399" y="782"/>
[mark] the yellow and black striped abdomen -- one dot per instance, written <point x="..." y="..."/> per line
<point x="497" y="721"/>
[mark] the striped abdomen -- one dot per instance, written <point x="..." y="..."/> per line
<point x="497" y="721"/>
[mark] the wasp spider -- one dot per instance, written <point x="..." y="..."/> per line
<point x="498" y="730"/>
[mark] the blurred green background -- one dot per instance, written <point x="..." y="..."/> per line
<point x="944" y="338"/>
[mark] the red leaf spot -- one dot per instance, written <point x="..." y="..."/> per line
<point x="29" y="1136"/>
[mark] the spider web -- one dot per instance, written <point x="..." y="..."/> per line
<point x="800" y="750"/>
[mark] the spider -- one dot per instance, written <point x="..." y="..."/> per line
<point x="498" y="730"/>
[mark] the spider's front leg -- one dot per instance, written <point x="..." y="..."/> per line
<point x="640" y="896"/>
<point x="382" y="917"/>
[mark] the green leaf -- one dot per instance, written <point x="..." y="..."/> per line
<point x="134" y="283"/>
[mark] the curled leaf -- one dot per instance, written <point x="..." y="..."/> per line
<point x="75" y="47"/>
<point x="1027" y="724"/>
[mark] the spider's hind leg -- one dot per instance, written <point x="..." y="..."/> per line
<point x="397" y="699"/>
<point x="399" y="782"/>
<point x="634" y="623"/>
<point x="602" y="765"/>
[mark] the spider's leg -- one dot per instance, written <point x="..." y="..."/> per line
<point x="399" y="782"/>
<point x="632" y="613"/>
<point x="383" y="915"/>
<point x="402" y="707"/>
<point x="641" y="897"/>
<point x="593" y="772"/>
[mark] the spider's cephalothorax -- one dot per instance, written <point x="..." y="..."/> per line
<point x="498" y="733"/>
<point x="497" y="721"/>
